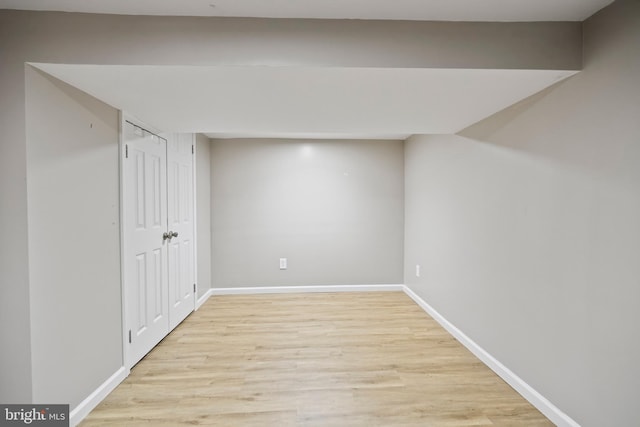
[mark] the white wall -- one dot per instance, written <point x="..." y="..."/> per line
<point x="203" y="213"/>
<point x="528" y="234"/>
<point x="74" y="240"/>
<point x="334" y="209"/>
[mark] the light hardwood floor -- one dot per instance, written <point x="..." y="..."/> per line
<point x="326" y="359"/>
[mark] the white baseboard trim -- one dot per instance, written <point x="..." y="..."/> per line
<point x="82" y="410"/>
<point x="203" y="298"/>
<point x="305" y="289"/>
<point x="551" y="411"/>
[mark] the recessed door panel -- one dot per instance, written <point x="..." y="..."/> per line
<point x="141" y="291"/>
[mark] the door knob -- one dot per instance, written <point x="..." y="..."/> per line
<point x="173" y="234"/>
<point x="166" y="236"/>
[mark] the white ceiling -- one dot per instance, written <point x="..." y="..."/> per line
<point x="419" y="10"/>
<point x="260" y="101"/>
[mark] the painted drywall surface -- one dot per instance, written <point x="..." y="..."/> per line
<point x="15" y="356"/>
<point x="74" y="240"/>
<point x="334" y="209"/>
<point x="151" y="40"/>
<point x="527" y="230"/>
<point x="96" y="39"/>
<point x="203" y="213"/>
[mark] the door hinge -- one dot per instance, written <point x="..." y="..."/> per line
<point x="194" y="288"/>
<point x="129" y="336"/>
<point x="126" y="151"/>
<point x="192" y="150"/>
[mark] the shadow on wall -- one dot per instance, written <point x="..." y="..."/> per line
<point x="571" y="127"/>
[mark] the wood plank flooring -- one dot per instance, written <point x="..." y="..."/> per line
<point x="325" y="359"/>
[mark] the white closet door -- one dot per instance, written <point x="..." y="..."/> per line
<point x="145" y="249"/>
<point x="181" y="225"/>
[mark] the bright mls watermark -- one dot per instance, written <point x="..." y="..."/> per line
<point x="34" y="415"/>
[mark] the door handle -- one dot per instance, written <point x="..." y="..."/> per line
<point x="168" y="235"/>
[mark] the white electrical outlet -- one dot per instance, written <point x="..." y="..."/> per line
<point x="417" y="270"/>
<point x="283" y="263"/>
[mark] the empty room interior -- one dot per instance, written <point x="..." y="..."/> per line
<point x="310" y="213"/>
